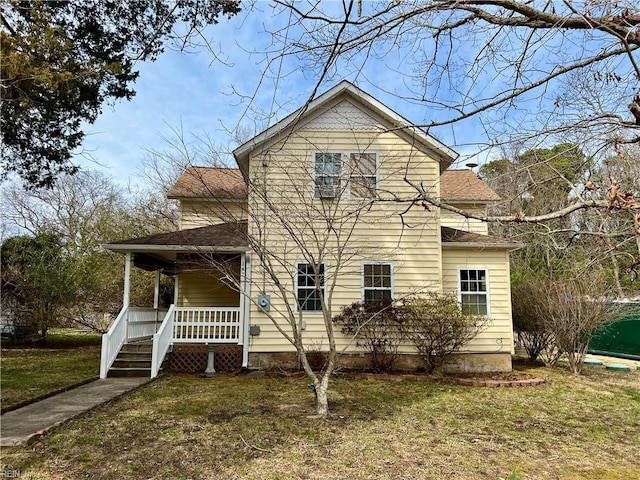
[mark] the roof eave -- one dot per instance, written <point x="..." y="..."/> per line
<point x="466" y="202"/>
<point x="128" y="247"/>
<point x="201" y="198"/>
<point x="445" y="154"/>
<point x="506" y="246"/>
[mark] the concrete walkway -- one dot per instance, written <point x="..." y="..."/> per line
<point x="21" y="425"/>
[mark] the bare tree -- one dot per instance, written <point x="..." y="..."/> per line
<point x="572" y="318"/>
<point x="308" y="238"/>
<point x="523" y="75"/>
<point x="83" y="211"/>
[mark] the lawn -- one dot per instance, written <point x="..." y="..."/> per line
<point x="29" y="372"/>
<point x="183" y="426"/>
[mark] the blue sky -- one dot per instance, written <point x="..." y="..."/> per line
<point x="195" y="92"/>
<point x="206" y="94"/>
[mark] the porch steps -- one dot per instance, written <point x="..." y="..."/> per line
<point x="133" y="360"/>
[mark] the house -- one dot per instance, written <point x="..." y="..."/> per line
<point x="324" y="206"/>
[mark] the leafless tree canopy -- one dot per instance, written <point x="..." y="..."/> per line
<point x="497" y="78"/>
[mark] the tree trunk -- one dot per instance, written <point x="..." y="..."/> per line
<point x="322" y="399"/>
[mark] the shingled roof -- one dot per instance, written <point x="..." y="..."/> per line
<point x="228" y="184"/>
<point x="222" y="235"/>
<point x="210" y="182"/>
<point x="465" y="186"/>
<point x="454" y="237"/>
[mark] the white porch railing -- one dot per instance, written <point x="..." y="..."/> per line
<point x="162" y="340"/>
<point x="112" y="342"/>
<point x="144" y="322"/>
<point x="207" y="325"/>
<point x="178" y="325"/>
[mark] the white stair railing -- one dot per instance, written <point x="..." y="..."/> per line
<point x="112" y="342"/>
<point x="162" y="340"/>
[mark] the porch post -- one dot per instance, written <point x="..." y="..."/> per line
<point x="156" y="292"/>
<point x="245" y="306"/>
<point x="127" y="280"/>
<point x="176" y="281"/>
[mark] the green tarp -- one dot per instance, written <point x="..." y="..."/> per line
<point x="621" y="338"/>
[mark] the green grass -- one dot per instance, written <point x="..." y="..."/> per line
<point x="234" y="427"/>
<point x="65" y="359"/>
<point x="70" y="338"/>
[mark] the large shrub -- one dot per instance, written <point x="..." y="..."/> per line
<point x="437" y="327"/>
<point x="377" y="327"/>
<point x="573" y="317"/>
<point x="530" y="326"/>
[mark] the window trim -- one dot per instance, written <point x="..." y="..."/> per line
<point x="340" y="176"/>
<point x="324" y="286"/>
<point x="391" y="273"/>
<point x="376" y="175"/>
<point x="487" y="282"/>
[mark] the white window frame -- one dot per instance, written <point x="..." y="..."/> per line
<point x="487" y="293"/>
<point x="362" y="282"/>
<point x="375" y="175"/>
<point x="339" y="176"/>
<point x="324" y="286"/>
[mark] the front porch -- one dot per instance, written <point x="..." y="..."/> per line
<point x="211" y="308"/>
<point x="166" y="327"/>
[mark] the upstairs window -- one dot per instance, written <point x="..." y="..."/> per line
<point x="474" y="293"/>
<point x="328" y="174"/>
<point x="377" y="282"/>
<point x="309" y="293"/>
<point x="363" y="175"/>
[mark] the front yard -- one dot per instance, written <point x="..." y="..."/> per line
<point x="183" y="426"/>
<point x="66" y="359"/>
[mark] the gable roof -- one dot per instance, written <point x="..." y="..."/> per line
<point x="465" y="186"/>
<point x="210" y="182"/>
<point x="229" y="184"/>
<point x="290" y="123"/>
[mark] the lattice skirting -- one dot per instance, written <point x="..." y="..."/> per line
<point x="193" y="358"/>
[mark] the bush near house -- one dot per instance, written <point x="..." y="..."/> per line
<point x="433" y="323"/>
<point x="377" y="327"/>
<point x="437" y="327"/>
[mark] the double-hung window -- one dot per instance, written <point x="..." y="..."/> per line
<point x="474" y="291"/>
<point x="363" y="176"/>
<point x="377" y="282"/>
<point x="328" y="174"/>
<point x="309" y="292"/>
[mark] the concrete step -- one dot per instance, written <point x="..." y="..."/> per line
<point x="137" y="348"/>
<point x="127" y="356"/>
<point x="144" y="363"/>
<point x="129" y="372"/>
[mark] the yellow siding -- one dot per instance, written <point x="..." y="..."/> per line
<point x="460" y="222"/>
<point x="498" y="337"/>
<point x="200" y="213"/>
<point x="205" y="289"/>
<point x="411" y="242"/>
<point x="282" y="208"/>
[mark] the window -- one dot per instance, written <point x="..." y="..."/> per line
<point x="474" y="295"/>
<point x="328" y="172"/>
<point x="363" y="178"/>
<point x="307" y="292"/>
<point x="377" y="282"/>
